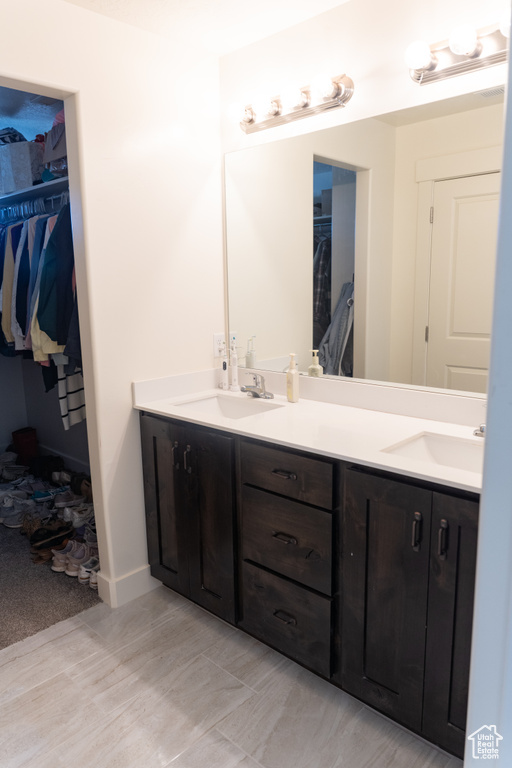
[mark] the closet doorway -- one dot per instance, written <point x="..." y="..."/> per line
<point x="39" y="400"/>
<point x="334" y="233"/>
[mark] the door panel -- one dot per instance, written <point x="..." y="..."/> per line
<point x="163" y="500"/>
<point x="386" y="543"/>
<point x="450" y="617"/>
<point x="462" y="281"/>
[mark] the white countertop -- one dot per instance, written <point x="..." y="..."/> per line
<point x="341" y="432"/>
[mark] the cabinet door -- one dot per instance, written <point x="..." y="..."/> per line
<point x="209" y="474"/>
<point x="450" y="616"/>
<point x="164" y="500"/>
<point x="385" y="561"/>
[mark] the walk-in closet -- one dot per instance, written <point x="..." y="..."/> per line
<point x="48" y="546"/>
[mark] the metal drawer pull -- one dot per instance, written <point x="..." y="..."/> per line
<point x="284" y="537"/>
<point x="442" y="540"/>
<point x="285" y="618"/>
<point x="176" y="464"/>
<point x="284" y="474"/>
<point x="416" y="531"/>
<point x="185" y="467"/>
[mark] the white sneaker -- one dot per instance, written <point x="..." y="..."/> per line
<point x="84" y="573"/>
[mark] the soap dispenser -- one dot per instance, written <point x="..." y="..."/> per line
<point x="250" y="357"/>
<point x="315" y="369"/>
<point x="292" y="381"/>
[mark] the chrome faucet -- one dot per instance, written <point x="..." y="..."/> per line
<point x="480" y="432"/>
<point x="258" y="388"/>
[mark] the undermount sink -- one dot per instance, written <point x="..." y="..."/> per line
<point x="227" y="407"/>
<point x="456" y="452"/>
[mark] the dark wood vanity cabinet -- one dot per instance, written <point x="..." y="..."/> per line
<point x="189" y="489"/>
<point x="408" y="571"/>
<point x="287" y="502"/>
<point x="365" y="578"/>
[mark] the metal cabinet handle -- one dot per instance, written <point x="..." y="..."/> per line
<point x="442" y="540"/>
<point x="176" y="464"/>
<point x="185" y="466"/>
<point x="284" y="537"/>
<point x="284" y="474"/>
<point x="285" y="618"/>
<point x="416" y="531"/>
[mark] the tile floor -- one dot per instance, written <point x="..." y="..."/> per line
<point x="159" y="682"/>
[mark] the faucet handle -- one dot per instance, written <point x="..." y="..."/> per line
<point x="480" y="432"/>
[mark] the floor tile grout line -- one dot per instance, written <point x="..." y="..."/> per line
<point x="219" y="666"/>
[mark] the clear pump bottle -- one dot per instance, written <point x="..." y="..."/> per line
<point x="292" y="381"/>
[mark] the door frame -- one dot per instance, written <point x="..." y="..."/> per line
<point x="428" y="171"/>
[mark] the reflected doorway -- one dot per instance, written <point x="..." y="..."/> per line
<point x="334" y="220"/>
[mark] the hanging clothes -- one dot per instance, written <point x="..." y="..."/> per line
<point x="38" y="307"/>
<point x="321" y="290"/>
<point x="335" y="351"/>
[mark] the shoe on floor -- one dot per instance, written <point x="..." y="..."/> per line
<point x="84" y="572"/>
<point x="67" y="499"/>
<point x="79" y="515"/>
<point x="93" y="579"/>
<point x="60" y="556"/>
<point x="48" y="494"/>
<point x="81" y="555"/>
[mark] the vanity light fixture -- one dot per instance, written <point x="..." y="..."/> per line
<point x="466" y="51"/>
<point x="303" y="102"/>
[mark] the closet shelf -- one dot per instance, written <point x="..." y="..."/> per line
<point x="52" y="187"/>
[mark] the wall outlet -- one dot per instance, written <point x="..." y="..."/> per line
<point x="219" y="344"/>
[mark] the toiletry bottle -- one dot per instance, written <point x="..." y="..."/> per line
<point x="234" y="367"/>
<point x="292" y="381"/>
<point x="250" y="358"/>
<point x="224" y="376"/>
<point x="315" y="369"/>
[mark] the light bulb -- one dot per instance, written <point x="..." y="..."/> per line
<point x="294" y="98"/>
<point x="323" y="88"/>
<point x="505" y="23"/>
<point x="464" y="41"/>
<point x="418" y="56"/>
<point x="248" y="115"/>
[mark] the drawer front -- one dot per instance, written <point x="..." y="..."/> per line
<point x="287" y="537"/>
<point x="288" y="617"/>
<point x="298" y="477"/>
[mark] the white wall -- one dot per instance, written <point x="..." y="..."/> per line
<point x="145" y="174"/>
<point x="14" y="416"/>
<point x="43" y="414"/>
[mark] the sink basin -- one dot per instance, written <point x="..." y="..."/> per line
<point x="227" y="407"/>
<point x="456" y="452"/>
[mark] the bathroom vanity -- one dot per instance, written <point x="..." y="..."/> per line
<point x="362" y="572"/>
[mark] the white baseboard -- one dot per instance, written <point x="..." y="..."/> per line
<point x="70" y="461"/>
<point x="118" y="592"/>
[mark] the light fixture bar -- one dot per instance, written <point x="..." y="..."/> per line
<point x="342" y="85"/>
<point x="492" y="50"/>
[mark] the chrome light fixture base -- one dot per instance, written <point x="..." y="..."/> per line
<point x="491" y="50"/>
<point x="343" y="90"/>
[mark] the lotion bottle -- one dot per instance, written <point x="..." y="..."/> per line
<point x="315" y="369"/>
<point x="234" y="366"/>
<point x="292" y="381"/>
<point x="250" y="358"/>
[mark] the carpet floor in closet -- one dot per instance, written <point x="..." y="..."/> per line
<point x="33" y="597"/>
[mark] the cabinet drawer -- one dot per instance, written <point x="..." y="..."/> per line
<point x="287" y="537"/>
<point x="288" y="617"/>
<point x="298" y="477"/>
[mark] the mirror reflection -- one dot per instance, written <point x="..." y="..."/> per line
<point x="389" y="274"/>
